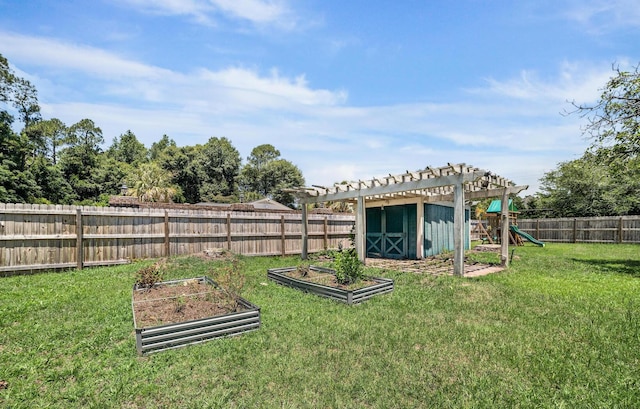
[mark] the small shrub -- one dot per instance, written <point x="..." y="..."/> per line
<point x="303" y="270"/>
<point x="348" y="266"/>
<point x="231" y="281"/>
<point x="148" y="276"/>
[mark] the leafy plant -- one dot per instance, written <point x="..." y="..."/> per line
<point x="303" y="270"/>
<point x="180" y="303"/>
<point x="231" y="280"/>
<point x="348" y="266"/>
<point x="148" y="276"/>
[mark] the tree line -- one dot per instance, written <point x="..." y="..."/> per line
<point x="605" y="181"/>
<point x="49" y="162"/>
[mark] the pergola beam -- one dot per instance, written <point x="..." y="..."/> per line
<point x="393" y="188"/>
<point x="479" y="194"/>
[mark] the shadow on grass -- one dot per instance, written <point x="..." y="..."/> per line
<point x="630" y="267"/>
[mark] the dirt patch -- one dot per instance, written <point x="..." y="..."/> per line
<point x="184" y="301"/>
<point x="492" y="248"/>
<point x="215" y="254"/>
<point x="318" y="277"/>
<point x="435" y="266"/>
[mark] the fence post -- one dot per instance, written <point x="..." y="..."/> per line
<point x="305" y="232"/>
<point x="620" y="231"/>
<point x="167" y="245"/>
<point x="575" y="230"/>
<point x="538" y="229"/>
<point x="283" y="240"/>
<point x="79" y="239"/>
<point x="326" y="235"/>
<point x="229" y="231"/>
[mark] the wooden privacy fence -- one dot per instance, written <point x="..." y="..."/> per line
<point x="616" y="229"/>
<point x="39" y="237"/>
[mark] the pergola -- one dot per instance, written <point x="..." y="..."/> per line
<point x="453" y="183"/>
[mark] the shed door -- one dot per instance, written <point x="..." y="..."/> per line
<point x="387" y="232"/>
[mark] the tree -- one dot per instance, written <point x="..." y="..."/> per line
<point x="217" y="166"/>
<point x="252" y="178"/>
<point x="179" y="161"/>
<point x="80" y="159"/>
<point x="150" y="183"/>
<point x="266" y="175"/>
<point x="6" y="78"/>
<point x="17" y="184"/>
<point x="281" y="175"/>
<point x="579" y="188"/>
<point x="53" y="187"/>
<point x="110" y="174"/>
<point x="25" y="100"/>
<point x="50" y="134"/>
<point x="128" y="149"/>
<point x="20" y="92"/>
<point x="615" y="118"/>
<point x="158" y="148"/>
<point x="86" y="134"/>
<point x="604" y="181"/>
<point x="262" y="154"/>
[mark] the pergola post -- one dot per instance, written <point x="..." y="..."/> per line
<point x="305" y="232"/>
<point x="458" y="229"/>
<point x="420" y="229"/>
<point x="360" y="237"/>
<point x="504" y="226"/>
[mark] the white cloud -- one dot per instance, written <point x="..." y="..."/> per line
<point x="579" y="81"/>
<point x="260" y="12"/>
<point x="603" y="15"/>
<point x="91" y="61"/>
<point x="512" y="126"/>
<point x="242" y="83"/>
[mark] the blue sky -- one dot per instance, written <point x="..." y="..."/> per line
<point x="345" y="90"/>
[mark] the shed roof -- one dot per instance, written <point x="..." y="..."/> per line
<point x="432" y="184"/>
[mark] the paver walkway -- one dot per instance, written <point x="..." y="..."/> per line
<point x="433" y="265"/>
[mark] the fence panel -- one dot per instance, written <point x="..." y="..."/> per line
<point x="613" y="229"/>
<point x="40" y="237"/>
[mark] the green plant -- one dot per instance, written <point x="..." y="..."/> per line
<point x="303" y="270"/>
<point x="148" y="276"/>
<point x="231" y="280"/>
<point x="348" y="266"/>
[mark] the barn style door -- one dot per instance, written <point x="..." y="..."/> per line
<point x="387" y="232"/>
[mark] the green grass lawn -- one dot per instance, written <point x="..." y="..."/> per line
<point x="560" y="328"/>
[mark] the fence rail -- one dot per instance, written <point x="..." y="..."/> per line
<point x="37" y="237"/>
<point x="625" y="229"/>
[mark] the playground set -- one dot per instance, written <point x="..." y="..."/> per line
<point x="491" y="234"/>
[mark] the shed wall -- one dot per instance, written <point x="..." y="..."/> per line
<point x="438" y="229"/>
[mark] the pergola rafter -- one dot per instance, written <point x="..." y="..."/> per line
<point x="452" y="183"/>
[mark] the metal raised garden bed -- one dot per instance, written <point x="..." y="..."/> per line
<point x="169" y="336"/>
<point x="381" y="286"/>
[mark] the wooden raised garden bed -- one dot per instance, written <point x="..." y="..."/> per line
<point x="321" y="281"/>
<point x="177" y="313"/>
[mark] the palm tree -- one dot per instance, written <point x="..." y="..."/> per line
<point x="151" y="183"/>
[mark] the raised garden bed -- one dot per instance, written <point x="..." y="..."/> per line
<point x="321" y="281"/>
<point x="177" y="313"/>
